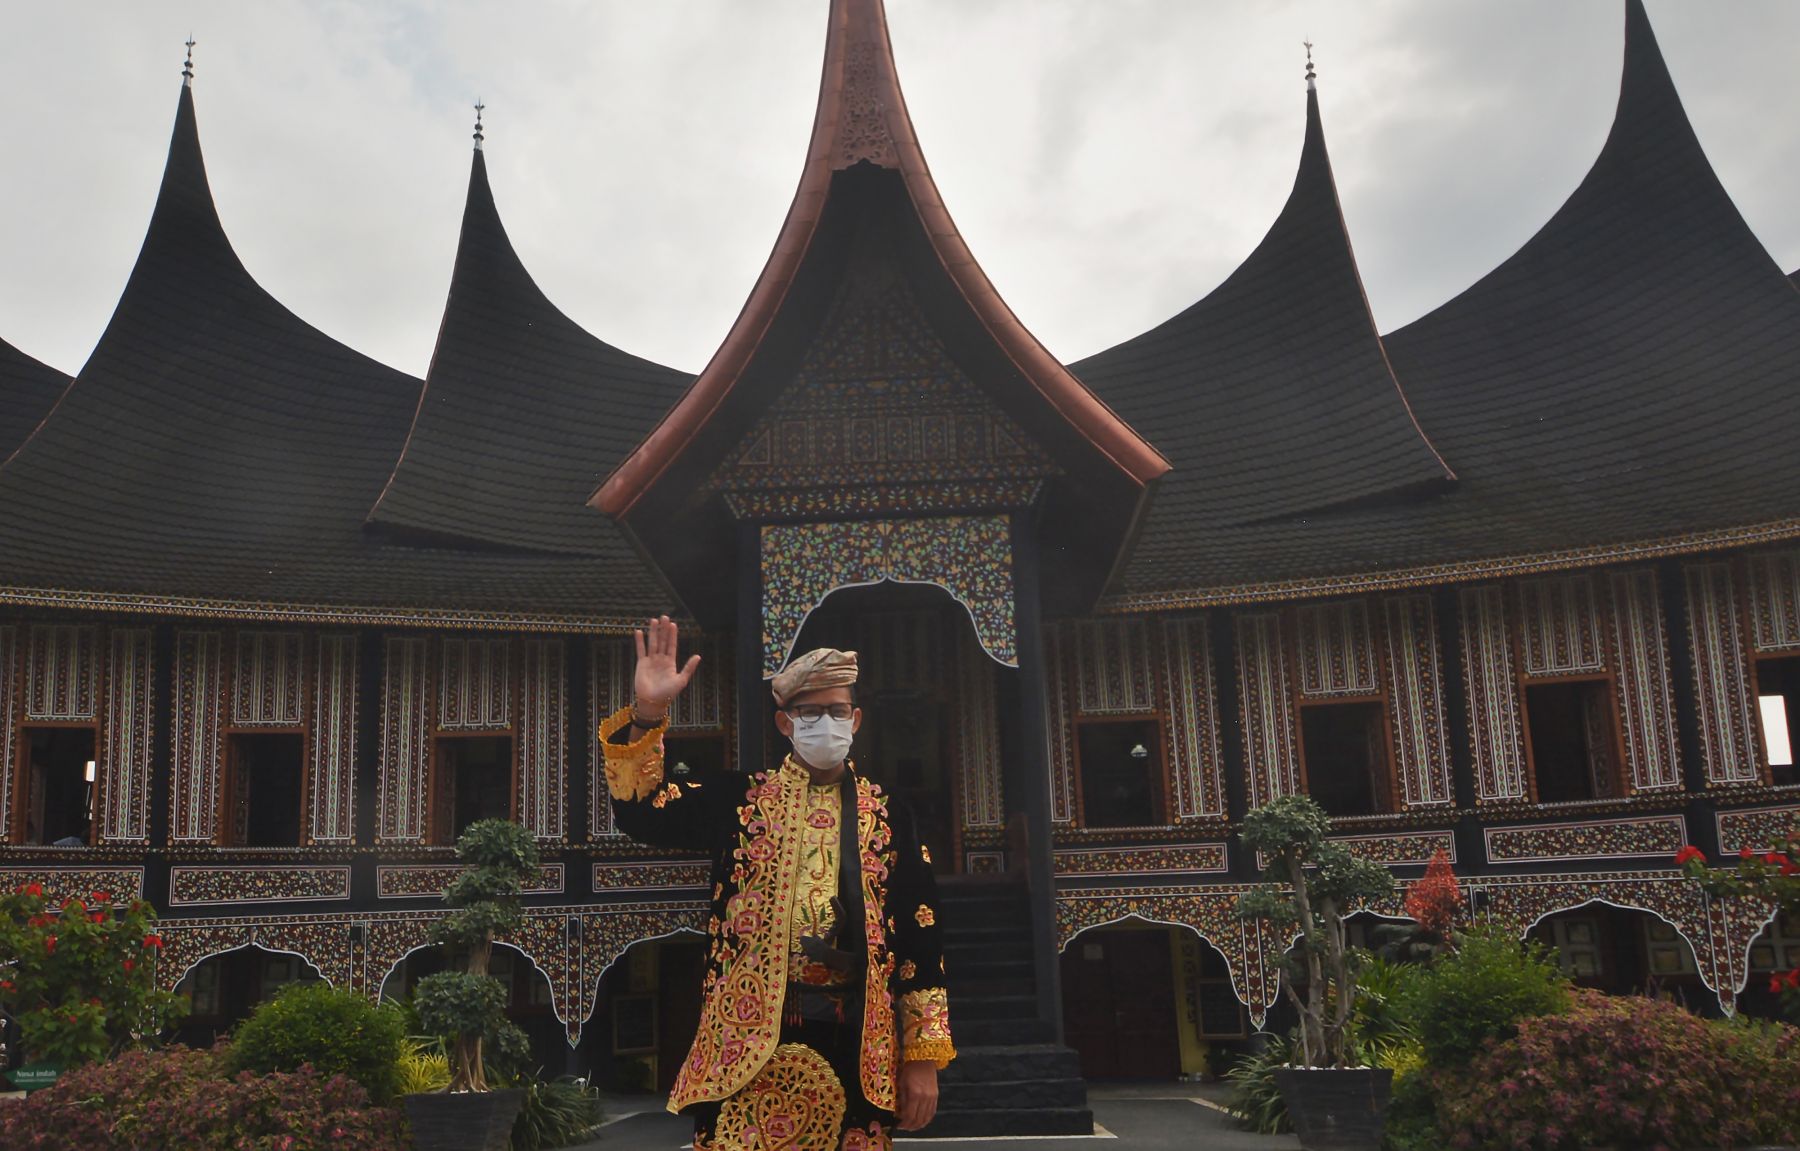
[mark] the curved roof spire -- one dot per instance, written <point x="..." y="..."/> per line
<point x="1629" y="372"/>
<point x="214" y="445"/>
<point x="522" y="410"/>
<point x="862" y="119"/>
<point x="1272" y="395"/>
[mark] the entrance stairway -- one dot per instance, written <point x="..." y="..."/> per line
<point x="1009" y="1077"/>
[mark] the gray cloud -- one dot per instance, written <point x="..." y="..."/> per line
<point x="1109" y="162"/>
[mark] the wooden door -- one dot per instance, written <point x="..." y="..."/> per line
<point x="1119" y="1004"/>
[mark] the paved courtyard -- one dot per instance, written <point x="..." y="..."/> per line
<point x="1152" y="1117"/>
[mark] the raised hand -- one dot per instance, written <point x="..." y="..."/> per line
<point x="659" y="680"/>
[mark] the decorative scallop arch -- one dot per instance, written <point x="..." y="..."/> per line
<point x="970" y="557"/>
<point x="185" y="950"/>
<point x="1211" y="914"/>
<point x="1520" y="904"/>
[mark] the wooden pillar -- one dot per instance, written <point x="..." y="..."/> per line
<point x="1034" y="792"/>
<point x="752" y="696"/>
<point x="163" y="661"/>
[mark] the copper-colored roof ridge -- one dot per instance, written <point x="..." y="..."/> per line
<point x="862" y="117"/>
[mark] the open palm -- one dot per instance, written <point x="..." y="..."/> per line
<point x="659" y="678"/>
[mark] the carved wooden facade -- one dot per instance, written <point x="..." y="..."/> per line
<point x="1604" y="627"/>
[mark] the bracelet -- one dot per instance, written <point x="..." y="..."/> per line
<point x="638" y="722"/>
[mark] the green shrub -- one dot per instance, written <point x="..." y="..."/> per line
<point x="1381" y="1034"/>
<point x="1255" y="1099"/>
<point x="423" y="1068"/>
<point x="1480" y="992"/>
<point x="335" y="1032"/>
<point x="557" y="1112"/>
<point x="1412" y="1122"/>
<point x="467" y="1007"/>
<point x="1627" y="1072"/>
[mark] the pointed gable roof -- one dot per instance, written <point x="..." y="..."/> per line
<point x="862" y="120"/>
<point x="217" y="455"/>
<point x="1631" y="370"/>
<point x="1272" y="396"/>
<point x="522" y="413"/>
<point x="28" y="390"/>
<point x="1621" y="387"/>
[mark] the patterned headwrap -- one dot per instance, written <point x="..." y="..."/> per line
<point x="819" y="668"/>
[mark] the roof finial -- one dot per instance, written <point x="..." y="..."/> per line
<point x="478" y="109"/>
<point x="187" y="69"/>
<point x="1310" y="73"/>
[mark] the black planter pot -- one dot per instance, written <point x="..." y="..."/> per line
<point x="466" y="1121"/>
<point x="1334" y="1110"/>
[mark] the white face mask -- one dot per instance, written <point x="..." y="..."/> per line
<point x="824" y="743"/>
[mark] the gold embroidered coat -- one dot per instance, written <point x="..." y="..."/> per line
<point x="750" y="823"/>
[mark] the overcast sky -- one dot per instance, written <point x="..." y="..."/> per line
<point x="1110" y="161"/>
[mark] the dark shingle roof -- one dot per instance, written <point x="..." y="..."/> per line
<point x="28" y="390"/>
<point x="217" y="449"/>
<point x="523" y="413"/>
<point x="1271" y="396"/>
<point x="1628" y="375"/>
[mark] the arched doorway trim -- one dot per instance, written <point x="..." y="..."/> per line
<point x="1210" y="915"/>
<point x="603" y="948"/>
<point x="187" y="945"/>
<point x="1519" y="907"/>
<point x="1746" y="920"/>
<point x="198" y="960"/>
<point x="970" y="557"/>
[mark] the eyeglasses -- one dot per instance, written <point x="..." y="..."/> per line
<point x="814" y="712"/>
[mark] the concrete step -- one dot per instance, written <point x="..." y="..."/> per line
<point x="977" y="1007"/>
<point x="974" y="1124"/>
<point x="1013" y="1095"/>
<point x="1011" y="1061"/>
<point x="992" y="1032"/>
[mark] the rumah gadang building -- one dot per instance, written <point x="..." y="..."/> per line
<point x="1518" y="582"/>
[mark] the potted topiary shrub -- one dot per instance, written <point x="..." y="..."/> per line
<point x="468" y="1006"/>
<point x="1313" y="884"/>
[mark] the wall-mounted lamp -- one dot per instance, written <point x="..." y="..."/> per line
<point x="1139" y="751"/>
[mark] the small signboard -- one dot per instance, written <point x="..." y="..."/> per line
<point x="34" y="1076"/>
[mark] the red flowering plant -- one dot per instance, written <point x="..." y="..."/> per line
<point x="1771" y="877"/>
<point x="79" y="975"/>
<point x="1434" y="904"/>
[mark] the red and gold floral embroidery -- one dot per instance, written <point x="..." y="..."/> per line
<point x="633" y="770"/>
<point x="878" y="1038"/>
<point x="924" y="915"/>
<point x="794" y="1103"/>
<point x="925" y="1025"/>
<point x="876" y="1138"/>
<point x="909" y="970"/>
<point x="669" y="791"/>
<point x="818" y="886"/>
<point x="740" y="1021"/>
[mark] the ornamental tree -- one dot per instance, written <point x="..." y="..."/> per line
<point x="468" y="1007"/>
<point x="80" y="977"/>
<point x="1771" y="876"/>
<point x="1313" y="884"/>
